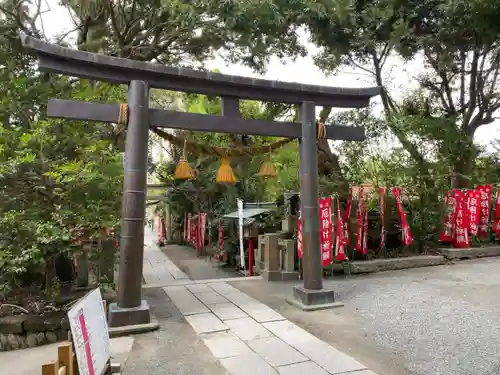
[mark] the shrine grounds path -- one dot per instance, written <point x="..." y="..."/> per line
<point x="442" y="320"/>
<point x="209" y="327"/>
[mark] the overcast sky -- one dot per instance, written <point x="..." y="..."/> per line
<point x="302" y="70"/>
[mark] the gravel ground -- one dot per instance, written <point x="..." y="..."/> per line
<point x="172" y="350"/>
<point x="430" y="321"/>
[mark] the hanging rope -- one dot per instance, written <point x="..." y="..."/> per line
<point x="321" y="130"/>
<point x="221" y="151"/>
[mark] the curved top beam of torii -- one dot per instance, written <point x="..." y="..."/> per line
<point x="57" y="59"/>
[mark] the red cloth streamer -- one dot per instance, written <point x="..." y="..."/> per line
<point x="299" y="237"/>
<point x="496" y="214"/>
<point x="188" y="234"/>
<point x="184" y="234"/>
<point x="340" y="241"/>
<point x="365" y="232"/>
<point x="359" y="226"/>
<point x="460" y="221"/>
<point x="473" y="210"/>
<point x="326" y="229"/>
<point x="382" y="217"/>
<point x="221" y="237"/>
<point x="485" y="204"/>
<point x="407" y="238"/>
<point x="446" y="234"/>
<point x="345" y="218"/>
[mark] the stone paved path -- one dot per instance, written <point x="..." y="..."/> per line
<point x="246" y="336"/>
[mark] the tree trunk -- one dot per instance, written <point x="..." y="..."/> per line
<point x="465" y="153"/>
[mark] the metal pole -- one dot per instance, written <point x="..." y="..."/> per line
<point x="312" y="268"/>
<point x="134" y="197"/>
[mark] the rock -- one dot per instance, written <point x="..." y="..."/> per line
<point x="31" y="340"/>
<point x="12" y="324"/>
<point x="51" y="337"/>
<point x="40" y="338"/>
<point x="13" y="341"/>
<point x="3" y="342"/>
<point x="42" y="323"/>
<point x="65" y="324"/>
<point x="23" y="343"/>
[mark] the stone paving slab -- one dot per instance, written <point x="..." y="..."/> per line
<point x="211" y="298"/>
<point x="206" y="323"/>
<point x="225" y="344"/>
<point x="276" y="352"/>
<point x="255" y="309"/>
<point x="248" y="364"/>
<point x="247" y="329"/>
<point x="223" y="288"/>
<point x="303" y="368"/>
<point x="329" y="358"/>
<point x="245" y="335"/>
<point x="185" y="301"/>
<point x="227" y="311"/>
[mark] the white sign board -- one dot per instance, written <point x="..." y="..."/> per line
<point x="89" y="330"/>
<point x="240" y="225"/>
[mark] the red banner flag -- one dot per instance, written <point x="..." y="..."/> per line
<point x="188" y="236"/>
<point x="184" y="234"/>
<point x="221" y="237"/>
<point x="299" y="237"/>
<point x="446" y="234"/>
<point x="365" y="231"/>
<point x="485" y="204"/>
<point x="340" y="239"/>
<point x="473" y="210"/>
<point x="407" y="238"/>
<point x="359" y="224"/>
<point x="326" y="229"/>
<point x="461" y="223"/>
<point x="346" y="218"/>
<point x="382" y="217"/>
<point x="203" y="223"/>
<point x="496" y="214"/>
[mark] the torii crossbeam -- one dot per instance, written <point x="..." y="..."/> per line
<point x="140" y="76"/>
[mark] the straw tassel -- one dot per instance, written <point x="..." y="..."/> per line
<point x="225" y="173"/>
<point x="267" y="169"/>
<point x="183" y="171"/>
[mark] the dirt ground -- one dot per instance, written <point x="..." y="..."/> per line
<point x="201" y="268"/>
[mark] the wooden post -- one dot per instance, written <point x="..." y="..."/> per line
<point x="66" y="358"/>
<point x="50" y="368"/>
<point x="250" y="257"/>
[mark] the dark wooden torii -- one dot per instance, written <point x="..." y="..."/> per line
<point x="130" y="309"/>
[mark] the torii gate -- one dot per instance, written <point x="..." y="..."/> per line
<point x="130" y="309"/>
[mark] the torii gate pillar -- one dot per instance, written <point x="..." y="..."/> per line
<point x="129" y="308"/>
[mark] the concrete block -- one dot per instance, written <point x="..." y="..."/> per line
<point x="271" y="275"/>
<point x="470" y="253"/>
<point x="379" y="265"/>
